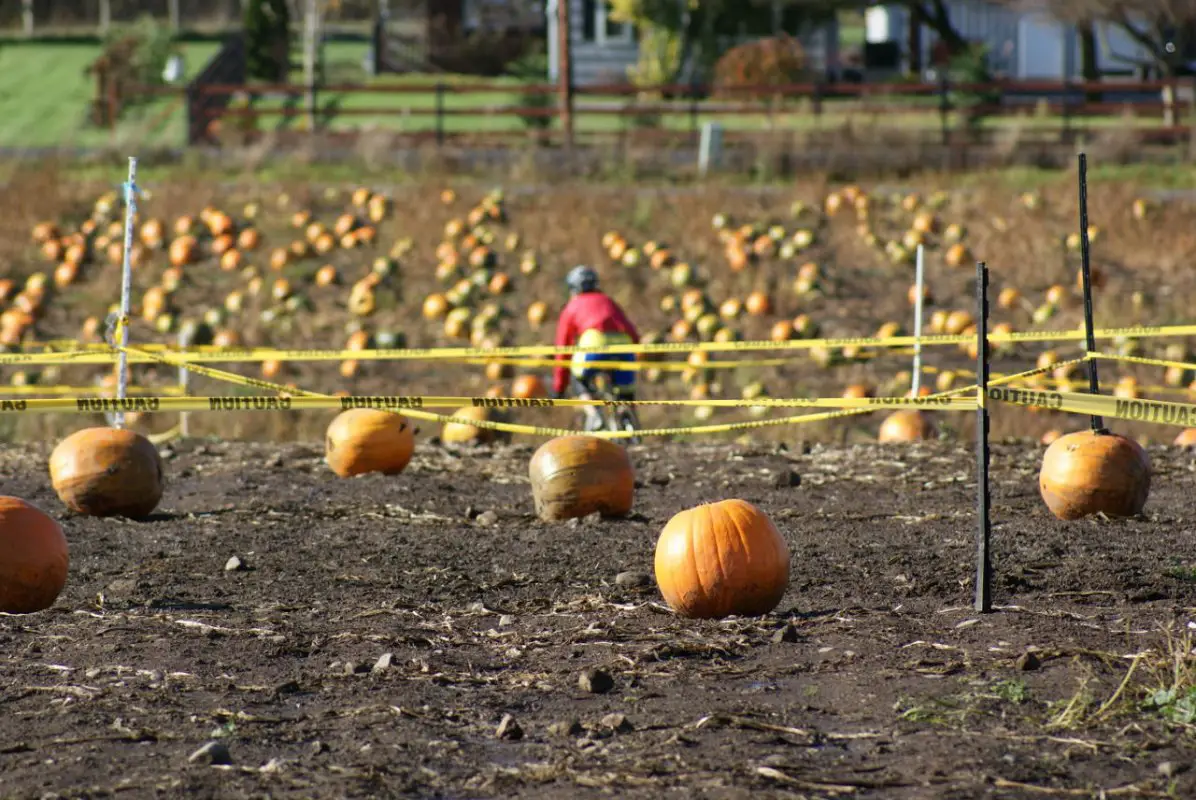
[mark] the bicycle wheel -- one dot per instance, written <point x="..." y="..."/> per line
<point x="629" y="421"/>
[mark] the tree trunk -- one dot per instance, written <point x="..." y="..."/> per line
<point x="1089" y="68"/>
<point x="913" y="40"/>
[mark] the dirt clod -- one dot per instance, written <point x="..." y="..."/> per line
<point x="487" y="518"/>
<point x="215" y="753"/>
<point x="1028" y="661"/>
<point x="383" y="663"/>
<point x="617" y="723"/>
<point x="572" y="728"/>
<point x="234" y="564"/>
<point x="509" y="728"/>
<point x="633" y="579"/>
<point x="595" y="681"/>
<point x="787" y="634"/>
<point x="787" y="479"/>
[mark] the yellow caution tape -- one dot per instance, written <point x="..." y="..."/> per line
<point x="84" y="390"/>
<point x="1150" y="362"/>
<point x="104" y="355"/>
<point x="1162" y="412"/>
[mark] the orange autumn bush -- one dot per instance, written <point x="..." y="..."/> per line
<point x="775" y="61"/>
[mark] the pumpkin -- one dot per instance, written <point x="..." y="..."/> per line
<point x="905" y="425"/>
<point x="537" y="312"/>
<point x="574" y="476"/>
<point x="363" y="440"/>
<point x="1186" y="438"/>
<point x="528" y="386"/>
<point x="34" y="557"/>
<point x="463" y="432"/>
<point x="1089" y="472"/>
<point x="721" y="559"/>
<point x="758" y="303"/>
<point x="106" y="472"/>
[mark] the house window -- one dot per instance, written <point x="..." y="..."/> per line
<point x="597" y="26"/>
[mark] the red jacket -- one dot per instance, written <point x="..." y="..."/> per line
<point x="587" y="311"/>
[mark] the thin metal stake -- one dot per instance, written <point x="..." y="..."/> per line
<point x="919" y="287"/>
<point x="1098" y="424"/>
<point x="126" y="290"/>
<point x="983" y="556"/>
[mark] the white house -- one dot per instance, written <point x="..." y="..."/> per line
<point x="1024" y="43"/>
<point x="603" y="50"/>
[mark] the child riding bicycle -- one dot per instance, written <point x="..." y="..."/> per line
<point x="592" y="319"/>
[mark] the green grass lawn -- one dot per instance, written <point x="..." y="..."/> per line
<point x="45" y="95"/>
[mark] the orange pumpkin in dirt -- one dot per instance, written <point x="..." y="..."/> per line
<point x="435" y="307"/>
<point x="527" y="387"/>
<point x="64" y="275"/>
<point x="537" y="312"/>
<point x="249" y="239"/>
<point x="721" y="559"/>
<point x="363" y="440"/>
<point x="44" y="231"/>
<point x="222" y="244"/>
<point x="463" y="432"/>
<point x="1086" y="472"/>
<point x="182" y="251"/>
<point x="905" y="425"/>
<point x="326" y="275"/>
<point x="575" y="476"/>
<point x="105" y="472"/>
<point x="279" y="258"/>
<point x="500" y="283"/>
<point x="1186" y="438"/>
<point x="34" y="558"/>
<point x="758" y="304"/>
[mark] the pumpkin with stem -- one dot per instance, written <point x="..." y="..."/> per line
<point x="1094" y="472"/>
<point x="363" y="440"/>
<point x="574" y="476"/>
<point x="34" y="558"/>
<point x="107" y="472"/>
<point x="721" y="559"/>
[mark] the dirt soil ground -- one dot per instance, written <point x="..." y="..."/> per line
<point x="378" y="631"/>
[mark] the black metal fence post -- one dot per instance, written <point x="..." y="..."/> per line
<point x="983" y="598"/>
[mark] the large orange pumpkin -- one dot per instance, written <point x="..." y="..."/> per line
<point x="721" y="559"/>
<point x="574" y="476"/>
<point x="363" y="440"/>
<point x="463" y="432"/>
<point x="1086" y="473"/>
<point x="106" y="472"/>
<point x="33" y="558"/>
<point x="905" y="425"/>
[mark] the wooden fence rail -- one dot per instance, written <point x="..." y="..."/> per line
<point x="441" y="111"/>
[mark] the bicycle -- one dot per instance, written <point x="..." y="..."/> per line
<point x="614" y="414"/>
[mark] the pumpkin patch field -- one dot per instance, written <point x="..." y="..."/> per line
<point x="326" y="604"/>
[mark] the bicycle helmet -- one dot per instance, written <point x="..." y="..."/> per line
<point x="581" y="279"/>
